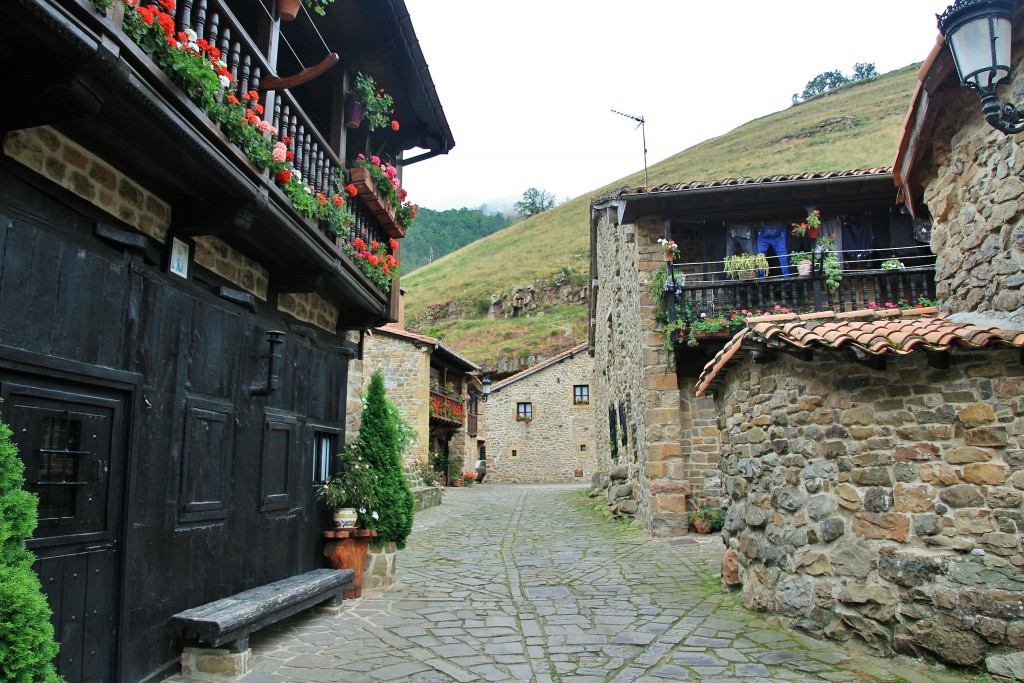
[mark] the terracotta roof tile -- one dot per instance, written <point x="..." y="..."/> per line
<point x="736" y="182"/>
<point x="867" y="331"/>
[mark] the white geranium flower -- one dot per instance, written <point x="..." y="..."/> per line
<point x="375" y="515"/>
<point x="224" y="81"/>
<point x="362" y="511"/>
<point x="191" y="35"/>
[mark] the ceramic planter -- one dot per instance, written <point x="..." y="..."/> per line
<point x="353" y="113"/>
<point x="345" y="518"/>
<point x="287" y="10"/>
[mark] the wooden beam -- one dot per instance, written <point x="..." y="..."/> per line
<point x="227" y="218"/>
<point x="292" y="282"/>
<point x="307" y="74"/>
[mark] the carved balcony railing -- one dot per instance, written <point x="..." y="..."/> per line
<point x="858" y="289"/>
<point x="315" y="159"/>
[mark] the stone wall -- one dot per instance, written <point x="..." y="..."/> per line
<point x="975" y="193"/>
<point x="78" y="170"/>
<point x="632" y="365"/>
<point x="405" y="367"/>
<point x="880" y="506"/>
<point x="548" y="449"/>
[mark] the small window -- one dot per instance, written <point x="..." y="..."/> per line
<point x="324" y="447"/>
<point x="581" y="394"/>
<point x="524" y="411"/>
<point x="515" y="453"/>
<point x="583" y="448"/>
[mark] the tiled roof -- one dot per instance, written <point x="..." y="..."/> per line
<point x="424" y="340"/>
<point x="737" y="182"/>
<point x="540" y="366"/>
<point x="866" y="332"/>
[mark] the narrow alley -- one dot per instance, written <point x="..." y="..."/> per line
<point x="530" y="583"/>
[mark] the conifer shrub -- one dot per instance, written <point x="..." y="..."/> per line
<point x="381" y="437"/>
<point x="27" y="647"/>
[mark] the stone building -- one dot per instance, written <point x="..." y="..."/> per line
<point x="435" y="389"/>
<point x="539" y="423"/>
<point x="868" y="448"/>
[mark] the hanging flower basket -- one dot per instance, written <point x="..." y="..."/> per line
<point x="353" y="113"/>
<point x="288" y="9"/>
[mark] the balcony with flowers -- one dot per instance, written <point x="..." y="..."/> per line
<point x="447" y="406"/>
<point x="237" y="119"/>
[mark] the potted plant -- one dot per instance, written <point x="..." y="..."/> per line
<point x="705" y="325"/>
<point x="349" y="492"/>
<point x="707" y="519"/>
<point x="809" y="226"/>
<point x="745" y="266"/>
<point x="832" y="268"/>
<point x="374" y="105"/>
<point x="468" y="478"/>
<point x="802" y="259"/>
<point x="670" y="248"/>
<point x="892" y="264"/>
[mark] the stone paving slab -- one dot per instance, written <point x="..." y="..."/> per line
<point x="529" y="584"/>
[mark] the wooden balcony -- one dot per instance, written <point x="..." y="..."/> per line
<point x="447" y="408"/>
<point x="734" y="300"/>
<point x="76" y="70"/>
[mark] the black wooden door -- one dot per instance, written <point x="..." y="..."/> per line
<point x="71" y="441"/>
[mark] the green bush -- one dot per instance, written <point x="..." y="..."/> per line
<point x="382" y="435"/>
<point x="27" y="647"/>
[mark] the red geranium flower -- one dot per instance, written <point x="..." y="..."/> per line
<point x="283" y="176"/>
<point x="393" y="243"/>
<point x="321" y="198"/>
<point x="232" y="99"/>
<point x="394" y="125"/>
<point x="359" y="243"/>
<point x="338" y="200"/>
<point x="352" y="190"/>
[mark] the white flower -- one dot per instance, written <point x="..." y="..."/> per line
<point x="191" y="35"/>
<point x="224" y="81"/>
<point x="375" y="515"/>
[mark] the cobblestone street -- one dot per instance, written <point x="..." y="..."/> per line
<point x="529" y="583"/>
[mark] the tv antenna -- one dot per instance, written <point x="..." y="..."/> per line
<point x="643" y="131"/>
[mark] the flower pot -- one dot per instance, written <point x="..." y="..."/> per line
<point x="456" y="483"/>
<point x="803" y="268"/>
<point x="701" y="526"/>
<point x="668" y="257"/>
<point x="345" y="518"/>
<point x="812" y="233"/>
<point x="749" y="274"/>
<point x="287" y="10"/>
<point x="353" y="113"/>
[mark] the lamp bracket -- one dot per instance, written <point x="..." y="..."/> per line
<point x="1006" y="118"/>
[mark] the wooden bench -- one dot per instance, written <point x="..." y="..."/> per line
<point x="227" y="623"/>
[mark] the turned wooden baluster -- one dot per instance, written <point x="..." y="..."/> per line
<point x="184" y="19"/>
<point x="230" y="51"/>
<point x="307" y="157"/>
<point x="243" y="79"/>
<point x="200" y="18"/>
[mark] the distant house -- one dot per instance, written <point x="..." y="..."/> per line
<point x="175" y="330"/>
<point x="436" y="390"/>
<point x="539" y="422"/>
<point x="866" y="443"/>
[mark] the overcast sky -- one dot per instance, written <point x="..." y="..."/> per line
<point x="528" y="86"/>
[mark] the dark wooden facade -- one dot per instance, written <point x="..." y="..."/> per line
<point x="165" y="481"/>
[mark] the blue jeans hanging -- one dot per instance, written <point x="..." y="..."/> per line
<point x="774" y="236"/>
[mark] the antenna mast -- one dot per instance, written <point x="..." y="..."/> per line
<point x="643" y="132"/>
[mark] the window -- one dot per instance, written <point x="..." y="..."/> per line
<point x="515" y="453"/>
<point x="583" y="448"/>
<point x="324" y="446"/>
<point x="581" y="394"/>
<point x="524" y="411"/>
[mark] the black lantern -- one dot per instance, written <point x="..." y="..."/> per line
<point x="979" y="36"/>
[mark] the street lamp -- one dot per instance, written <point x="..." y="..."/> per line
<point x="979" y="36"/>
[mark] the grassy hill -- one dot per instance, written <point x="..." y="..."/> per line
<point x="856" y="126"/>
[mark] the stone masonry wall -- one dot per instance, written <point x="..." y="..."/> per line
<point x="975" y="193"/>
<point x="406" y="371"/>
<point x="74" y="168"/>
<point x="881" y="506"/>
<point x="631" y="365"/>
<point x="310" y="308"/>
<point x="548" y="449"/>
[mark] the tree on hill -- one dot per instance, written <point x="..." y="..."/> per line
<point x="830" y="80"/>
<point x="534" y="201"/>
<point x="27" y="647"/>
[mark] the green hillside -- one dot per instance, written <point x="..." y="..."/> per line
<point x="441" y="232"/>
<point x="856" y="126"/>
